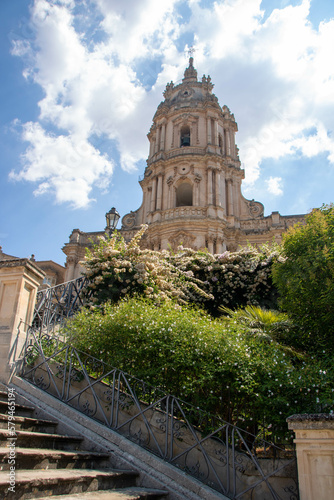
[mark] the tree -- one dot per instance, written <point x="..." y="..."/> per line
<point x="304" y="277"/>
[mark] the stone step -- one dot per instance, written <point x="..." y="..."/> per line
<point x="28" y="424"/>
<point x="26" y="439"/>
<point x="124" y="494"/>
<point x="36" y="458"/>
<point x="31" y="484"/>
<point x="20" y="410"/>
<point x="4" y="395"/>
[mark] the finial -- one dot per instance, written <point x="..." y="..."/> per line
<point x="191" y="51"/>
<point x="190" y="73"/>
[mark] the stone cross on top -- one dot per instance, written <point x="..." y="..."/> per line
<point x="191" y="51"/>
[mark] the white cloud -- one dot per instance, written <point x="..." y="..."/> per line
<point x="65" y="166"/>
<point x="274" y="186"/>
<point x="138" y="29"/>
<point x="223" y="28"/>
<point x="316" y="143"/>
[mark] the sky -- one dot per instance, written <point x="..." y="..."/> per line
<point x="81" y="81"/>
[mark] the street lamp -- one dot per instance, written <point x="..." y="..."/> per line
<point x="112" y="218"/>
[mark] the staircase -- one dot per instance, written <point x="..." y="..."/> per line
<point x="45" y="463"/>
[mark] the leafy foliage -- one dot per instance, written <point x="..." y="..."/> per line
<point x="269" y="324"/>
<point x="215" y="364"/>
<point x="304" y="277"/>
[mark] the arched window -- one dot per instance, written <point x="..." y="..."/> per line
<point x="185" y="136"/>
<point x="184" y="195"/>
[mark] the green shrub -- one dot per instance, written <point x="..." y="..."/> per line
<point x="266" y="323"/>
<point x="304" y="276"/>
<point x="215" y="364"/>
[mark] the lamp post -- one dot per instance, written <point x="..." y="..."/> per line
<point x="112" y="218"/>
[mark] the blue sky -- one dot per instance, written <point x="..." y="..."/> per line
<point x="81" y="81"/>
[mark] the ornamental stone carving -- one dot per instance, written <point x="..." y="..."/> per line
<point x="129" y="220"/>
<point x="181" y="238"/>
<point x="256" y="208"/>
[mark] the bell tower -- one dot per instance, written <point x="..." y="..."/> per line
<point x="192" y="182"/>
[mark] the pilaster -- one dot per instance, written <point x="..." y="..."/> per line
<point x="315" y="454"/>
<point x="19" y="282"/>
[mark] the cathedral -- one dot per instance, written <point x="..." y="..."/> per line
<point x="192" y="182"/>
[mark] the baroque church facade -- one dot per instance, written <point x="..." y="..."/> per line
<point x="192" y="182"/>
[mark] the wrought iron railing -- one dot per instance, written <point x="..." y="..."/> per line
<point x="54" y="305"/>
<point x="221" y="455"/>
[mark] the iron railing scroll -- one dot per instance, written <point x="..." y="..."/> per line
<point x="221" y="455"/>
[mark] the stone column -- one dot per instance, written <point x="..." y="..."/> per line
<point x="71" y="262"/>
<point x="236" y="198"/>
<point x="232" y="143"/>
<point x="154" y="193"/>
<point x="230" y="196"/>
<point x="218" y="189"/>
<point x="169" y="194"/>
<point x="157" y="144"/>
<point x="210" y="192"/>
<point x="219" y="245"/>
<point x="315" y="454"/>
<point x="223" y="190"/>
<point x="19" y="281"/>
<point x="216" y="133"/>
<point x="210" y="245"/>
<point x="162" y="138"/>
<point x="151" y="146"/>
<point x="159" y="193"/>
<point x="209" y="130"/>
<point x="228" y="143"/>
<point x="148" y="203"/>
<point x="196" y="191"/>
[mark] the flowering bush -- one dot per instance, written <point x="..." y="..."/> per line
<point x="218" y="365"/>
<point x="234" y="279"/>
<point x="117" y="269"/>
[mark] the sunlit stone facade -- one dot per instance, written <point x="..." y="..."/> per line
<point x="192" y="183"/>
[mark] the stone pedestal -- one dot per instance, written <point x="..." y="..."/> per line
<point x="315" y="454"/>
<point x="19" y="281"/>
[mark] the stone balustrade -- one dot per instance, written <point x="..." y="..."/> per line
<point x="175" y="213"/>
